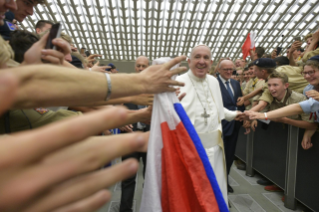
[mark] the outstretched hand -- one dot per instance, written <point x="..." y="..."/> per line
<point x="240" y="116"/>
<point x="240" y="101"/>
<point x="48" y="160"/>
<point x="157" y="78"/>
<point x="98" y="68"/>
<point x="254" y="115"/>
<point x="313" y="94"/>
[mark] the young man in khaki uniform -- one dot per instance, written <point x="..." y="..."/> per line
<point x="253" y="84"/>
<point x="283" y="96"/>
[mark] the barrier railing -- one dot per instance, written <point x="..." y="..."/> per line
<point x="274" y="150"/>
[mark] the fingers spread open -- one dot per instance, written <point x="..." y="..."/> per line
<point x="175" y="83"/>
<point x="173" y="62"/>
<point x="178" y="70"/>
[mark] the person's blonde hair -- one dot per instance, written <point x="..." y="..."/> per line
<point x="6" y="52"/>
<point x="66" y="37"/>
<point x="308" y="36"/>
<point x="80" y="57"/>
<point x="279" y="75"/>
<point x="313" y="63"/>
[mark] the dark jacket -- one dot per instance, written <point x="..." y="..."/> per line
<point x="230" y="104"/>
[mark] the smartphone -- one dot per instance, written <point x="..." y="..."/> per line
<point x="87" y="53"/>
<point x="297" y="38"/>
<point x="279" y="50"/>
<point x="55" y="32"/>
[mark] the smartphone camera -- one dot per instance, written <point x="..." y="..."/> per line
<point x="87" y="53"/>
<point x="279" y="50"/>
<point x="55" y="32"/>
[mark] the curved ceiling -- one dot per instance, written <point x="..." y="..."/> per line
<point x="121" y="30"/>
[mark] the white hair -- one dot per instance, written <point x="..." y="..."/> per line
<point x="198" y="45"/>
<point x="220" y="64"/>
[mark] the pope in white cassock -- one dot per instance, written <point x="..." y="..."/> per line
<point x="204" y="105"/>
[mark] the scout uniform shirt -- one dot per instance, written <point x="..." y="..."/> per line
<point x="291" y="97"/>
<point x="296" y="81"/>
<point x="18" y="120"/>
<point x="251" y="85"/>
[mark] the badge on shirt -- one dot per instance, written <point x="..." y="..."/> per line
<point x="11" y="26"/>
<point x="41" y="110"/>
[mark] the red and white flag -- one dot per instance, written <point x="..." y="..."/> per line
<point x="249" y="44"/>
<point x="179" y="176"/>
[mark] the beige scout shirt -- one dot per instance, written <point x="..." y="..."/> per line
<point x="294" y="98"/>
<point x="33" y="118"/>
<point x="296" y="81"/>
<point x="251" y="85"/>
<point x="310" y="54"/>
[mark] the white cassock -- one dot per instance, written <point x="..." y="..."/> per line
<point x="204" y="94"/>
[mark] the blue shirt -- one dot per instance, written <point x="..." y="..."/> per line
<point x="308" y="88"/>
<point x="311" y="106"/>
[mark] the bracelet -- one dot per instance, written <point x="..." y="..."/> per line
<point x="266" y="118"/>
<point x="109" y="86"/>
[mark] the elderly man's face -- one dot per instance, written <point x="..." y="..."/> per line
<point x="141" y="63"/>
<point x="200" y="61"/>
<point x="226" y="69"/>
<point x="25" y="8"/>
<point x="4" y="7"/>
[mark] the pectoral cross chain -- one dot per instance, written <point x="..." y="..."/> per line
<point x="205" y="116"/>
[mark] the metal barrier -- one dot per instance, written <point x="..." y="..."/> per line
<point x="275" y="151"/>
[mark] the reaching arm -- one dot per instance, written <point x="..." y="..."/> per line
<point x="306" y="140"/>
<point x="242" y="99"/>
<point x="289" y="110"/>
<point x="65" y="86"/>
<point x="294" y="46"/>
<point x="260" y="106"/>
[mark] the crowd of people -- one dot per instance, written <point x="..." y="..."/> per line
<point x="281" y="87"/>
<point x="42" y="87"/>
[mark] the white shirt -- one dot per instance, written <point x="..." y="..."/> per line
<point x="224" y="81"/>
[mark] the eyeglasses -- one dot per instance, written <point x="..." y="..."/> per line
<point x="310" y="73"/>
<point x="228" y="70"/>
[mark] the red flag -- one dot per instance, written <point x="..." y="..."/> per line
<point x="248" y="45"/>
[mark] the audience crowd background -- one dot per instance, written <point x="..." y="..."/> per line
<point x="35" y="94"/>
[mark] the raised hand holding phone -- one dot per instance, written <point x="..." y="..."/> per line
<point x="55" y="32"/>
<point x="278" y="50"/>
<point x="37" y="53"/>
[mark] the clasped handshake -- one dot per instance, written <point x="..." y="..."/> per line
<point x="249" y="115"/>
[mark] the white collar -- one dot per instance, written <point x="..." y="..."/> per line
<point x="223" y="80"/>
<point x="193" y="77"/>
